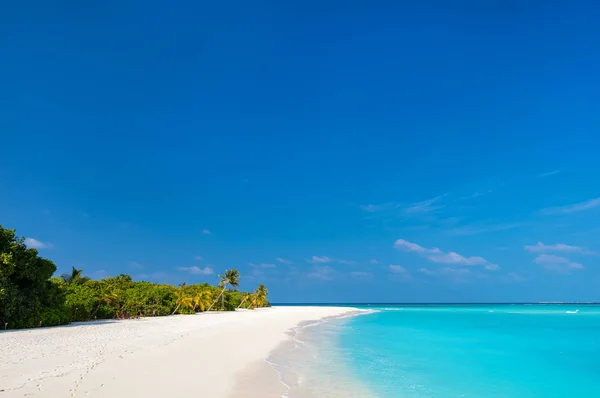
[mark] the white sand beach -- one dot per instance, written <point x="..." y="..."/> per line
<point x="206" y="355"/>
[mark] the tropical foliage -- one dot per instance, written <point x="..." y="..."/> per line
<point x="31" y="297"/>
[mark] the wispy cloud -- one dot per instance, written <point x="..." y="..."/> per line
<point x="397" y="269"/>
<point x="283" y="261"/>
<point x="477" y="194"/>
<point x="455" y="258"/>
<point x="361" y="275"/>
<point x="480" y="229"/>
<point x="36" y="244"/>
<point x="198" y="258"/>
<point x="399" y="273"/>
<point x="557" y="263"/>
<point x="445" y="271"/>
<point x="322" y="272"/>
<point x="426" y="206"/>
<point x="406" y="210"/>
<point x="426" y="271"/>
<point x="134" y="265"/>
<point x="373" y="261"/>
<point x="514" y="277"/>
<point x="195" y="270"/>
<point x="325" y="259"/>
<point x="370" y="208"/>
<point x="262" y="265"/>
<point x="557" y="248"/>
<point x="205" y="232"/>
<point x="153" y="276"/>
<point x="574" y="208"/>
<point x="100" y="274"/>
<point x="320" y="259"/>
<point x="548" y="174"/>
<point x="438" y="256"/>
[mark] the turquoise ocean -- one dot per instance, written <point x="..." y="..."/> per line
<point x="448" y="351"/>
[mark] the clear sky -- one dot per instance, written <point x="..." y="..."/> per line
<point x="338" y="151"/>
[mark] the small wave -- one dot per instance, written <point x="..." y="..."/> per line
<point x="572" y="312"/>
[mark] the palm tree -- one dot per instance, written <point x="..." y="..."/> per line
<point x="75" y="278"/>
<point x="183" y="301"/>
<point x="230" y="277"/>
<point x="246" y="299"/>
<point x="260" y="295"/>
<point x="202" y="299"/>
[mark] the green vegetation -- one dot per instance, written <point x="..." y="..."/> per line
<point x="31" y="297"/>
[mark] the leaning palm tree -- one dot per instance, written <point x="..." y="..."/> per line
<point x="230" y="277"/>
<point x="260" y="296"/>
<point x="183" y="301"/>
<point x="246" y="299"/>
<point x="261" y="293"/>
<point x="202" y="299"/>
<point x="75" y="277"/>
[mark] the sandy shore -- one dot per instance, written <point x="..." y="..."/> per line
<point x="184" y="356"/>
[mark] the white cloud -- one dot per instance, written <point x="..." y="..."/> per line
<point x="397" y="269"/>
<point x="195" y="270"/>
<point x="482" y="228"/>
<point x="402" y="244"/>
<point x="437" y="256"/>
<point x="426" y="206"/>
<point x="548" y="174"/>
<point x="36" y="244"/>
<point x="414" y="209"/>
<point x="557" y="263"/>
<point x="559" y="248"/>
<point x="478" y="194"/>
<point x="323" y="272"/>
<point x="198" y="258"/>
<point x="206" y="232"/>
<point x="283" y="261"/>
<point x="373" y="261"/>
<point x="262" y="265"/>
<point x="455" y="258"/>
<point x="454" y="271"/>
<point x="376" y="208"/>
<point x="320" y="259"/>
<point x="516" y="277"/>
<point x="134" y="265"/>
<point x="361" y="275"/>
<point x="426" y="271"/>
<point x="325" y="259"/>
<point x="100" y="274"/>
<point x="574" y="208"/>
<point x="154" y="276"/>
<point x="445" y="271"/>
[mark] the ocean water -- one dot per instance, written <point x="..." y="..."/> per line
<point x="491" y="351"/>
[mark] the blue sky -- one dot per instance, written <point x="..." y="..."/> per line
<point x="336" y="151"/>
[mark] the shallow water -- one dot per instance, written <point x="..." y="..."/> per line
<point x="517" y="351"/>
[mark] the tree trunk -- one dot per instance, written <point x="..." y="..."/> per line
<point x="217" y="299"/>
<point x="241" y="303"/>
<point x="96" y="310"/>
<point x="251" y="305"/>
<point x="176" y="308"/>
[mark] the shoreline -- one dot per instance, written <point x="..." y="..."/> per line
<point x="186" y="355"/>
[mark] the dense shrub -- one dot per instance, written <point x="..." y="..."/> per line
<point x="30" y="297"/>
